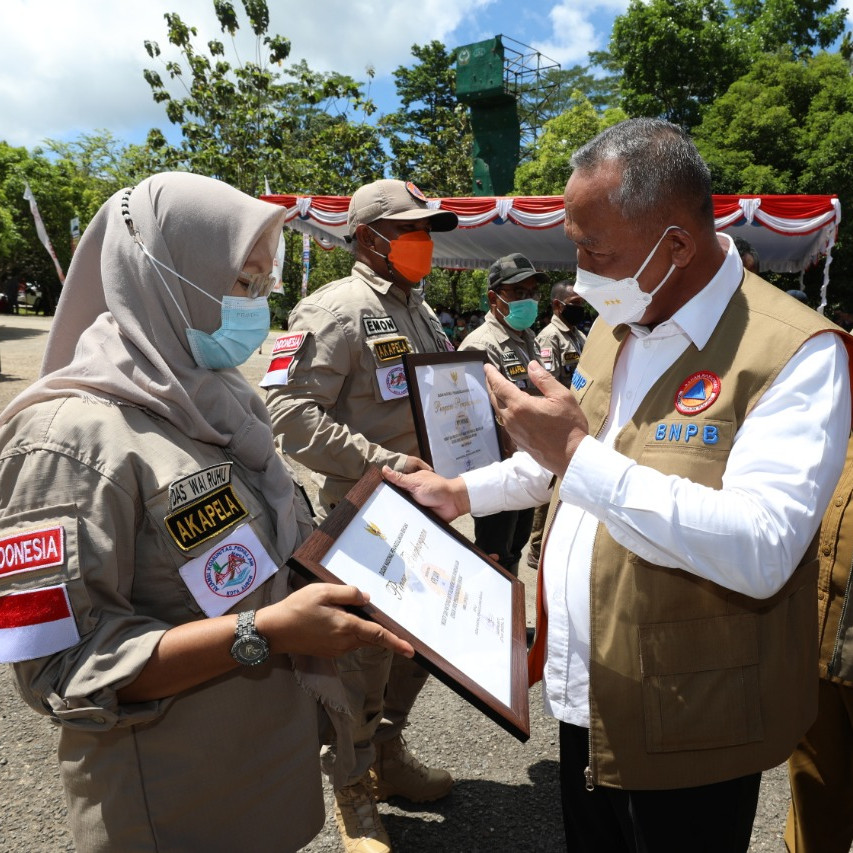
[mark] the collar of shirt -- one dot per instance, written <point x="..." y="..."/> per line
<point x="699" y="317"/>
<point x="385" y="287"/>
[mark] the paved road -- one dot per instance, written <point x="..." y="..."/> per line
<point x="506" y="796"/>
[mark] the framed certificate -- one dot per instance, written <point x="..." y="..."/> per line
<point x="454" y="420"/>
<point x="463" y="614"/>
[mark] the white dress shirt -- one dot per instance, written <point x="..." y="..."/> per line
<point x="748" y="536"/>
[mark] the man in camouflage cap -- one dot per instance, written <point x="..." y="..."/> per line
<point x="338" y="399"/>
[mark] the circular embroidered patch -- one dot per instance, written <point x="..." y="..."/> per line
<point x="230" y="570"/>
<point x="697" y="392"/>
<point x="415" y="192"/>
<point x="395" y="381"/>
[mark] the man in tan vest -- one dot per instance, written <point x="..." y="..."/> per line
<point x="338" y="401"/>
<point x="695" y="455"/>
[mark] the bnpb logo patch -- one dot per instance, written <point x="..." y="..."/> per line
<point x="697" y="393"/>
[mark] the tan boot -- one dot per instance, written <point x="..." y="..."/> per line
<point x="358" y="820"/>
<point x="396" y="772"/>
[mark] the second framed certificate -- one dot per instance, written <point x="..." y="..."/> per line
<point x="454" y="421"/>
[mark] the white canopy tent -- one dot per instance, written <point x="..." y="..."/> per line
<point x="790" y="232"/>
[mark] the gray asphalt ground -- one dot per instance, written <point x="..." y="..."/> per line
<point x="506" y="796"/>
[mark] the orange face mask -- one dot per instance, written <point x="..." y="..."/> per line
<point x="410" y="254"/>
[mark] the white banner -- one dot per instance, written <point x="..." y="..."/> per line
<point x="40" y="229"/>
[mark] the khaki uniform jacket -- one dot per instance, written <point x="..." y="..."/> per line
<point x="509" y="351"/>
<point x="835" y="579"/>
<point x="343" y="404"/>
<point x="561" y="348"/>
<point x="229" y="765"/>
<point x="692" y="683"/>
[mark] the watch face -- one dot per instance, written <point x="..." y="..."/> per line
<point x="250" y="650"/>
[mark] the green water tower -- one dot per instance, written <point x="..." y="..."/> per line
<point x="489" y="78"/>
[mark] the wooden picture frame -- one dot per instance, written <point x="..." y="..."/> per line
<point x="454" y="421"/>
<point x="462" y="612"/>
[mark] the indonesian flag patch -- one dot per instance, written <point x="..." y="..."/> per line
<point x="36" y="623"/>
<point x="283" y="354"/>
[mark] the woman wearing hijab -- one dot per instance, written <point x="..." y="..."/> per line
<point x="145" y="521"/>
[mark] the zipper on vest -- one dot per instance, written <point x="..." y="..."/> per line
<point x="587" y="775"/>
<point x="834" y="663"/>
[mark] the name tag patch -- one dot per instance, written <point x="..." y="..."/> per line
<point x="228" y="572"/>
<point x="205" y="518"/>
<point x="31" y="550"/>
<point x="697" y="393"/>
<point x="391" y="348"/>
<point x="392" y="382"/>
<point x="379" y="325"/>
<point x="198" y="484"/>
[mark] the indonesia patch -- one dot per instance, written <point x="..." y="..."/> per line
<point x="31" y="550"/>
<point x="36" y="623"/>
<point x="278" y="373"/>
<point x="288" y="343"/>
<point x="228" y="572"/>
<point x="697" y="393"/>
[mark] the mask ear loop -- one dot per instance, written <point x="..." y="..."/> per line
<point x="137" y="238"/>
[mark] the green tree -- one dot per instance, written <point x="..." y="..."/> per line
<point x="430" y="135"/>
<point x="547" y="172"/>
<point x="677" y="56"/>
<point x="244" y="121"/>
<point x="787" y="127"/>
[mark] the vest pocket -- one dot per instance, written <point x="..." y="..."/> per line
<point x="700" y="683"/>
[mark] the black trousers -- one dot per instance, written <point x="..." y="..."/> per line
<point x="504" y="534"/>
<point x="707" y="819"/>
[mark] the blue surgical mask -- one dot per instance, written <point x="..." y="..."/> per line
<point x="245" y="326"/>
<point x="522" y="313"/>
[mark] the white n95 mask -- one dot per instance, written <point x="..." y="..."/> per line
<point x="622" y="300"/>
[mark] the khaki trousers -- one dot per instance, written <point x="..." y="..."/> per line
<point x="381" y="689"/>
<point x="820" y="770"/>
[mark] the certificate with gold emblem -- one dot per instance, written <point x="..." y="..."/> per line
<point x="463" y="614"/>
<point x="454" y="421"/>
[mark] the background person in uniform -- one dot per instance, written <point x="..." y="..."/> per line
<point x="561" y="343"/>
<point x="507" y="339"/>
<point x="820" y="819"/>
<point x="695" y="456"/>
<point x="339" y="403"/>
<point x="144" y="507"/>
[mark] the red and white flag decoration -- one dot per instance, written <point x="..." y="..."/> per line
<point x="42" y="232"/>
<point x="36" y="623"/>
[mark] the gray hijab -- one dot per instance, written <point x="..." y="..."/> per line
<point x="119" y="335"/>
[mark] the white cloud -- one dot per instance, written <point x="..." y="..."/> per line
<point x="577" y="29"/>
<point x="74" y="66"/>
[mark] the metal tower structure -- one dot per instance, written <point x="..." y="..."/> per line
<point x="495" y="77"/>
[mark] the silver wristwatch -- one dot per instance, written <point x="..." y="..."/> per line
<point x="249" y="647"/>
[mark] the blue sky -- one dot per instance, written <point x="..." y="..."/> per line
<point x="69" y="67"/>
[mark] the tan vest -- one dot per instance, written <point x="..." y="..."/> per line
<point x="692" y="683"/>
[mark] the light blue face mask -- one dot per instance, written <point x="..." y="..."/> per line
<point x="522" y="313"/>
<point x="245" y="326"/>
